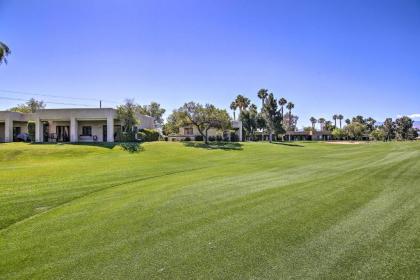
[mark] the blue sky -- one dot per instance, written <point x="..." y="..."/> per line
<point x="349" y="57"/>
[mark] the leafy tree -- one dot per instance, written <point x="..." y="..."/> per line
<point x="4" y="51"/>
<point x="31" y="106"/>
<point x="261" y="124"/>
<point x="233" y="107"/>
<point x="313" y="122"/>
<point x="290" y="122"/>
<point x="355" y="130"/>
<point x="403" y="126"/>
<point x="126" y="113"/>
<point x="153" y="110"/>
<point x="204" y="117"/>
<point x="370" y="124"/>
<point x="340" y="118"/>
<point x="272" y="116"/>
<point x="329" y="126"/>
<point x="249" y="121"/>
<point x="338" y="133"/>
<point x="412" y="134"/>
<point x="173" y="123"/>
<point x="358" y="119"/>
<point x="378" y="134"/>
<point x="347" y="121"/>
<point x="389" y="129"/>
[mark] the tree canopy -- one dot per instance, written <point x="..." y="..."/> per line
<point x="31" y="106"/>
<point x="154" y="110"/>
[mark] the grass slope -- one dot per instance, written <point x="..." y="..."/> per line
<point x="182" y="211"/>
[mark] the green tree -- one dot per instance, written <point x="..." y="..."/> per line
<point x="321" y="122"/>
<point x="370" y="124"/>
<point x="242" y="102"/>
<point x="4" y="51"/>
<point x="289" y="107"/>
<point x="347" y="121"/>
<point x="233" y="107"/>
<point x="359" y="119"/>
<point x="262" y="94"/>
<point x="282" y="102"/>
<point x="338" y="133"/>
<point x="412" y="134"/>
<point x="335" y="117"/>
<point x="313" y="122"/>
<point x="173" y="123"/>
<point x="389" y="129"/>
<point x="154" y="110"/>
<point x="378" y="134"/>
<point x="272" y="116"/>
<point x="126" y="114"/>
<point x="403" y="126"/>
<point x="355" y="130"/>
<point x="329" y="126"/>
<point x="340" y="118"/>
<point x="249" y="121"/>
<point x="204" y="117"/>
<point x="31" y="106"/>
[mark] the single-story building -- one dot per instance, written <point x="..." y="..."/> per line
<point x="191" y="132"/>
<point x="307" y="135"/>
<point x="67" y="125"/>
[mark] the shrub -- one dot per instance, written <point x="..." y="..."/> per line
<point x="148" y="135"/>
<point x="187" y="139"/>
<point x="212" y="138"/>
<point x="165" y="138"/>
<point x="219" y="138"/>
<point x="199" y="138"/>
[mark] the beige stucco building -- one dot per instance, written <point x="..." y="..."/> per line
<point x="67" y="125"/>
<point x="192" y="132"/>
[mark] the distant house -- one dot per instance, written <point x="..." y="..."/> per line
<point x="67" y="125"/>
<point x="191" y="132"/>
<point x="308" y="135"/>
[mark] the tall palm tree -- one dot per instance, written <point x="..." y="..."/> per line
<point x="347" y="121"/>
<point x="233" y="107"/>
<point x="262" y="94"/>
<point x="242" y="102"/>
<point x="289" y="107"/>
<point x="4" y="51"/>
<point x="321" y="122"/>
<point x="313" y="121"/>
<point x="282" y="102"/>
<point x="335" y="117"/>
<point x="340" y="118"/>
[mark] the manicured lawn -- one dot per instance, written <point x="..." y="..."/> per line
<point x="176" y="211"/>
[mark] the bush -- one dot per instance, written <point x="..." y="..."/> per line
<point x="199" y="138"/>
<point x="219" y="138"/>
<point x="165" y="138"/>
<point x="212" y="138"/>
<point x="148" y="135"/>
<point x="187" y="139"/>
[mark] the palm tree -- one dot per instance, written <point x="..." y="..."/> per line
<point x="313" y="121"/>
<point x="233" y="106"/>
<point x="289" y="107"/>
<point x="282" y="102"/>
<point x="321" y="122"/>
<point x="340" y="117"/>
<point x="262" y="94"/>
<point x="347" y="121"/>
<point x="335" y="117"/>
<point x="4" y="51"/>
<point x="242" y="102"/>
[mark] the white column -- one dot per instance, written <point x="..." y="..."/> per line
<point x="110" y="129"/>
<point x="39" y="131"/>
<point x="73" y="130"/>
<point x="240" y="131"/>
<point x="8" y="130"/>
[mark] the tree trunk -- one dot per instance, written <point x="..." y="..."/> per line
<point x="271" y="137"/>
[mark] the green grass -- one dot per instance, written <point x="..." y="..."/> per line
<point x="185" y="211"/>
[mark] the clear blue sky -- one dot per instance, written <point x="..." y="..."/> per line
<point x="349" y="57"/>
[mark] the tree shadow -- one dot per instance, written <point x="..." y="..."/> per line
<point x="226" y="146"/>
<point x="288" y="144"/>
<point x="131" y="147"/>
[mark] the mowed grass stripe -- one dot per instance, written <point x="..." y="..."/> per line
<point x="289" y="216"/>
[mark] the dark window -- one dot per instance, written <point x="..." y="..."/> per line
<point x="86" y="131"/>
<point x="188" y="131"/>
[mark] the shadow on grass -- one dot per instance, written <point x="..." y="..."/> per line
<point x="227" y="146"/>
<point x="131" y="147"/>
<point x="288" y="144"/>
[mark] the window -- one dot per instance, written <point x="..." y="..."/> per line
<point x="86" y="131"/>
<point x="188" y="131"/>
